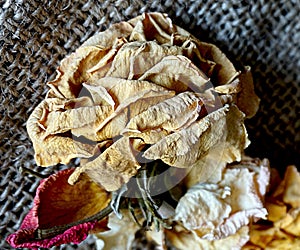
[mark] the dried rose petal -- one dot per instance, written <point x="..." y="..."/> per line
<point x="114" y="167"/>
<point x="57" y="203"/>
<point x="282" y="203"/>
<point x="182" y="240"/>
<point x="194" y="208"/>
<point x="184" y="148"/>
<point x="177" y="73"/>
<point x="53" y="149"/>
<point x="235" y="201"/>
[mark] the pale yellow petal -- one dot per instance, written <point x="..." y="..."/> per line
<point x="122" y="89"/>
<point x="106" y="38"/>
<point x="186" y="147"/>
<point x="114" y="124"/>
<point x="83" y="118"/>
<point x="153" y="26"/>
<point x="291" y="194"/>
<point x="112" y="168"/>
<point x="183" y="240"/>
<point x="173" y="114"/>
<point x="140" y="57"/>
<point x="177" y="73"/>
<point x="53" y="149"/>
<point x="73" y="70"/>
<point x="121" y="233"/>
<point x="194" y="208"/>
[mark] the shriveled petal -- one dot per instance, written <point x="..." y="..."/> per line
<point x="245" y="199"/>
<point x="114" y="167"/>
<point x="211" y="60"/>
<point x="238" y="220"/>
<point x="153" y="26"/>
<point x="291" y="194"/>
<point x="177" y="73"/>
<point x="245" y="193"/>
<point x="83" y="118"/>
<point x="183" y="240"/>
<point x="242" y="89"/>
<point x="170" y="115"/>
<point x="291" y="222"/>
<point x="236" y="200"/>
<point x="121" y="233"/>
<point x="225" y="71"/>
<point x="121" y="90"/>
<point x="52" y="149"/>
<point x="141" y="56"/>
<point x="186" y="147"/>
<point x="266" y="237"/>
<point x="132" y="106"/>
<point x="106" y="38"/>
<point x="210" y="167"/>
<point x="276" y="211"/>
<point x="261" y="170"/>
<point x="73" y="70"/>
<point x="100" y="95"/>
<point x="57" y="203"/>
<point x="194" y="209"/>
<point x="246" y="99"/>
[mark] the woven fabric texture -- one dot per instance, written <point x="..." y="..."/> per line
<point x="36" y="35"/>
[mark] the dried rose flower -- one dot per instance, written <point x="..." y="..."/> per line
<point x="155" y="115"/>
<point x="283" y="204"/>
<point x="208" y="216"/>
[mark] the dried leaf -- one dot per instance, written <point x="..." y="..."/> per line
<point x="57" y="203"/>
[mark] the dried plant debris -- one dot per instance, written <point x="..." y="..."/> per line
<point x="157" y="119"/>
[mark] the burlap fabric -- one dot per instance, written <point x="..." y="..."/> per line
<point x="36" y="35"/>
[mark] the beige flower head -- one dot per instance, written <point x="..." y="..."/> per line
<point x="143" y="88"/>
